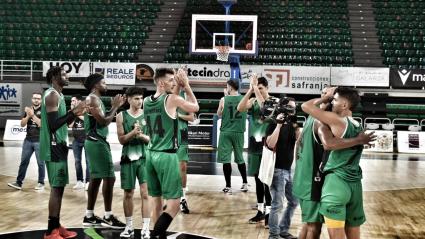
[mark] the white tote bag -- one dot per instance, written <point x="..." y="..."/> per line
<point x="267" y="166"/>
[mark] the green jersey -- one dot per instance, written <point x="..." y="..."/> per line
<point x="257" y="129"/>
<point x="92" y="128"/>
<point x="232" y="120"/>
<point x="304" y="162"/>
<point x="133" y="149"/>
<point x="183" y="125"/>
<point x="160" y="126"/>
<point x="47" y="138"/>
<point x="345" y="162"/>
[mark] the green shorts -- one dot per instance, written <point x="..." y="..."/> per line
<point x="342" y="200"/>
<point x="130" y="171"/>
<point x="163" y="175"/>
<point x="100" y="159"/>
<point x="310" y="211"/>
<point x="57" y="173"/>
<point x="183" y="152"/>
<point x="230" y="142"/>
<point x="254" y="161"/>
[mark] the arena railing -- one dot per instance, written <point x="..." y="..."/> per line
<point x="18" y="69"/>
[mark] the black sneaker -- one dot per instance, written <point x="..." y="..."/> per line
<point x="266" y="221"/>
<point x="258" y="218"/>
<point x="113" y="222"/>
<point x="92" y="221"/>
<point x="183" y="206"/>
<point x="287" y="235"/>
<point x="15" y="185"/>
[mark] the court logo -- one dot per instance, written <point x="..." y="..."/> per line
<point x="144" y="72"/>
<point x="16" y="129"/>
<point x="413" y="141"/>
<point x="7" y="93"/>
<point x="404" y="75"/>
<point x="280" y="76"/>
<point x="99" y="71"/>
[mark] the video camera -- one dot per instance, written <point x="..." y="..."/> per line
<point x="274" y="106"/>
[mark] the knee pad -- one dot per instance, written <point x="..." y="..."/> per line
<point x="331" y="223"/>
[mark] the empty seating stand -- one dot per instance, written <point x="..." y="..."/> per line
<point x="313" y="33"/>
<point x="401" y="31"/>
<point x="97" y="30"/>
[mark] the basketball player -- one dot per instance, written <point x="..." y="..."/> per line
<point x="183" y="151"/>
<point x="310" y="153"/>
<point x="53" y="146"/>
<point x="231" y="135"/>
<point x="130" y="124"/>
<point x="342" y="197"/>
<point x="257" y="132"/>
<point x="99" y="152"/>
<point x="163" y="174"/>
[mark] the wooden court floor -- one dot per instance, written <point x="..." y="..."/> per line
<point x="394" y="200"/>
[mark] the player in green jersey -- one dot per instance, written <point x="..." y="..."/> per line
<point x="54" y="148"/>
<point x="130" y="130"/>
<point x="231" y="137"/>
<point x="341" y="199"/>
<point x="96" y="122"/>
<point x="162" y="166"/>
<point x="310" y="153"/>
<point x="183" y="151"/>
<point x="257" y="132"/>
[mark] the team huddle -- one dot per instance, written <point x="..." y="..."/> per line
<point x="154" y="135"/>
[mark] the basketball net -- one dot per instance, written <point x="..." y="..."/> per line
<point x="222" y="53"/>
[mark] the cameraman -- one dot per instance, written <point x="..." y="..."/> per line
<point x="281" y="136"/>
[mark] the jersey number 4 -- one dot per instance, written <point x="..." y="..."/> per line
<point x="155" y="127"/>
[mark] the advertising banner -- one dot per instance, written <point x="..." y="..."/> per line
<point x="407" y="78"/>
<point x="195" y="72"/>
<point x="116" y="73"/>
<point x="13" y="131"/>
<point x="72" y="68"/>
<point x="200" y="135"/>
<point x="290" y="79"/>
<point x="383" y="143"/>
<point x="411" y="142"/>
<point x="360" y="76"/>
<point x="10" y="99"/>
<point x="282" y="79"/>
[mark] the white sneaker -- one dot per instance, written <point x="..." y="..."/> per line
<point x="128" y="232"/>
<point x="244" y="187"/>
<point x="227" y="190"/>
<point x="39" y="186"/>
<point x="78" y="185"/>
<point x="145" y="234"/>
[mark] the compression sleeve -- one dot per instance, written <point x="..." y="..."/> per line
<point x="55" y="123"/>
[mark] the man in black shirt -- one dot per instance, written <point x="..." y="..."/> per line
<point x="282" y="136"/>
<point x="31" y="119"/>
<point x="78" y="144"/>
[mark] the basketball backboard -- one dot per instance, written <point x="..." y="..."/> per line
<point x="209" y="32"/>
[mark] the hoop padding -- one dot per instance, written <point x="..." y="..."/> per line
<point x="222" y="53"/>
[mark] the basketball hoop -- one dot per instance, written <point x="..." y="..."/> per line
<point x="222" y="53"/>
